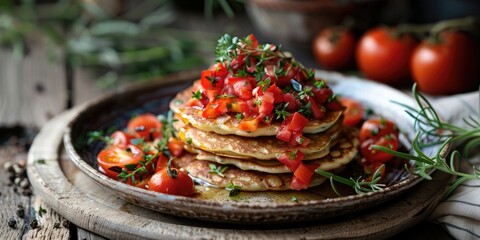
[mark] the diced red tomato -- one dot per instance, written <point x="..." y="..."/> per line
<point x="334" y="106"/>
<point x="270" y="72"/>
<point x="219" y="69"/>
<point x="298" y="139"/>
<point x="353" y="114"/>
<point x="292" y="102"/>
<point x="211" y="80"/>
<point x="298" y="122"/>
<point x="277" y="93"/>
<point x="266" y="105"/>
<point x="238" y="62"/>
<point x="241" y="87"/>
<point x="322" y="94"/>
<point x="284" y="134"/>
<point x="317" y="112"/>
<point x="217" y="107"/>
<point x="240" y="106"/>
<point x="249" y="124"/>
<point x="291" y="159"/>
<point x="252" y="41"/>
<point x="145" y="126"/>
<point x="297" y="184"/>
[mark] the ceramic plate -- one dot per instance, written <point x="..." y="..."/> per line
<point x="214" y="204"/>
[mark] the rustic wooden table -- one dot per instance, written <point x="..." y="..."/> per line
<point x="32" y="91"/>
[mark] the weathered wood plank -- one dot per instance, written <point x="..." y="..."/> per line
<point x="32" y="89"/>
<point x="83" y="234"/>
<point x="49" y="223"/>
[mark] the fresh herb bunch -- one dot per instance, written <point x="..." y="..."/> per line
<point x="430" y="131"/>
<point x="122" y="44"/>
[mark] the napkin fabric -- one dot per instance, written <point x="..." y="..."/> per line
<point x="460" y="213"/>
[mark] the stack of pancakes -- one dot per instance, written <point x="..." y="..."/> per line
<point x="251" y="157"/>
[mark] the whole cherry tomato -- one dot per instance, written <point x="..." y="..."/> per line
<point x="389" y="141"/>
<point x="353" y="113"/>
<point x="384" y="57"/>
<point x="447" y="65"/>
<point x="377" y="127"/>
<point x="145" y="126"/>
<point x="172" y="181"/>
<point x="334" y="48"/>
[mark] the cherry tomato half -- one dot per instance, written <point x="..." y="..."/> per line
<point x="181" y="185"/>
<point x="353" y="114"/>
<point x="377" y="127"/>
<point x="334" y="48"/>
<point x="114" y="158"/>
<point x="121" y="138"/>
<point x="376" y="156"/>
<point x="145" y="126"/>
<point x="385" y="58"/>
<point x="448" y="66"/>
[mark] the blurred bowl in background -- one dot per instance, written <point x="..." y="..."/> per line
<point x="300" y="20"/>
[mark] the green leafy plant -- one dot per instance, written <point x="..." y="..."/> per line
<point x="430" y="130"/>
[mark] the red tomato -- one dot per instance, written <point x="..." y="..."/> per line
<point x="297" y="139"/>
<point x="212" y="80"/>
<point x="317" y="112"/>
<point x="450" y="65"/>
<point x="162" y="163"/>
<point x="145" y="126"/>
<point x="322" y="94"/>
<point x="353" y="114"/>
<point x="121" y="138"/>
<point x="334" y="48"/>
<point x="284" y="134"/>
<point x="372" y="155"/>
<point x="114" y="158"/>
<point x="249" y="124"/>
<point x="181" y="185"/>
<point x="305" y="172"/>
<point x="298" y="122"/>
<point x="377" y="127"/>
<point x="241" y="87"/>
<point x="175" y="147"/>
<point x="384" y="58"/>
<point x="291" y="159"/>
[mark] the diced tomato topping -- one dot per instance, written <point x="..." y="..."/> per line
<point x="237" y="62"/>
<point x="298" y="122"/>
<point x="270" y="72"/>
<point x="249" y="124"/>
<point x="210" y="80"/>
<point x="298" y="139"/>
<point x="252" y="41"/>
<point x="297" y="184"/>
<point x="277" y="93"/>
<point x="317" y="112"/>
<point x="241" y="87"/>
<point x="353" y="113"/>
<point x="284" y="134"/>
<point x="217" y="107"/>
<point x="291" y="159"/>
<point x="239" y="106"/>
<point x="302" y="176"/>
<point x="219" y="69"/>
<point x="322" y="94"/>
<point x="266" y="105"/>
<point x="334" y="106"/>
<point x="290" y="99"/>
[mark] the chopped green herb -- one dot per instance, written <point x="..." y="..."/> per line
<point x="234" y="190"/>
<point x="41" y="211"/>
<point x="219" y="170"/>
<point x="281" y="112"/>
<point x="40" y="161"/>
<point x="294" y="199"/>
<point x="239" y="116"/>
<point x="197" y="95"/>
<point x="189" y="140"/>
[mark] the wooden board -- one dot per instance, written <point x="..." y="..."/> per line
<point x="72" y="194"/>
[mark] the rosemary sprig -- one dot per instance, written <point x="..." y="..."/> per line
<point x="430" y="131"/>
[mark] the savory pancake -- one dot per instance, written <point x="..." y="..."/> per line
<point x="262" y="148"/>
<point x="339" y="155"/>
<point x="247" y="180"/>
<point x="228" y="125"/>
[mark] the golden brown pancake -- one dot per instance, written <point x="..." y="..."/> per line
<point x="261" y="148"/>
<point x="228" y="125"/>
<point x="340" y="154"/>
<point x="247" y="180"/>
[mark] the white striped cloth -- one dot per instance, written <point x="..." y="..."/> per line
<point x="460" y="213"/>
